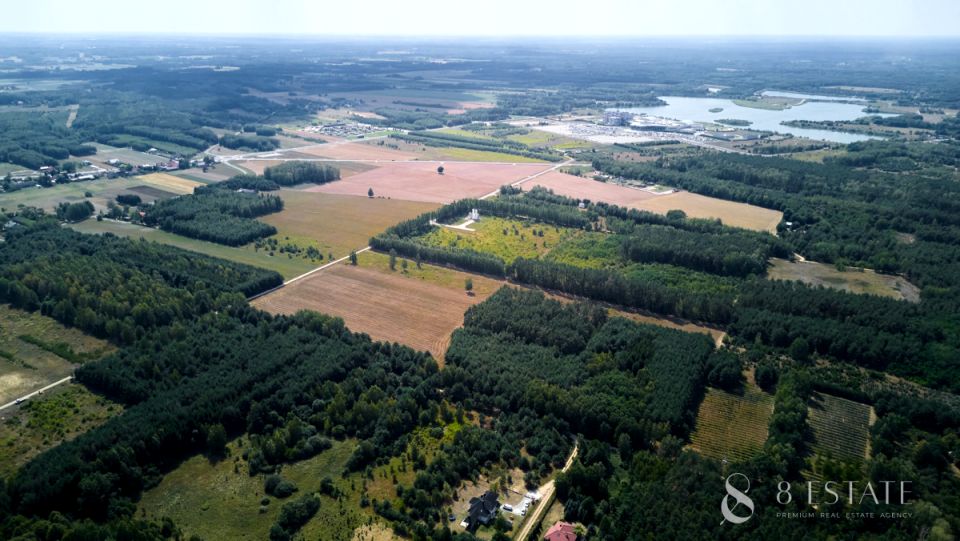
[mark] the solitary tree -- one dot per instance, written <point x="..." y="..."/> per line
<point x="468" y="285"/>
<point x="440" y="170"/>
<point x="370" y="192"/>
<point x="393" y="259"/>
<point x="353" y="258"/>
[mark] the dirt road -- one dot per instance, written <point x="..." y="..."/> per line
<point x="546" y="498"/>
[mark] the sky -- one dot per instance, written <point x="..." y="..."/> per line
<point x="497" y="18"/>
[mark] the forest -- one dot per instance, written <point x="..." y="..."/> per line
<point x="908" y="340"/>
<point x="218" y="215"/>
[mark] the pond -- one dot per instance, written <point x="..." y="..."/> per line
<point x="698" y="110"/>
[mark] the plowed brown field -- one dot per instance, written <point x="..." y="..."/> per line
<point x="420" y="182"/>
<point x="387" y="306"/>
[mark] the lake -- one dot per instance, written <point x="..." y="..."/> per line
<point x="698" y="110"/>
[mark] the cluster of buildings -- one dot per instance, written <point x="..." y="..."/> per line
<point x="485" y="509"/>
<point x="343" y="129"/>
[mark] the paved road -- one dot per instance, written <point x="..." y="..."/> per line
<point x="546" y="498"/>
<point x="35" y="393"/>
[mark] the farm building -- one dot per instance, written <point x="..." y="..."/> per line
<point x="561" y="531"/>
<point x="483" y="510"/>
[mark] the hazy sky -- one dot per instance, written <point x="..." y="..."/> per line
<point x="489" y="17"/>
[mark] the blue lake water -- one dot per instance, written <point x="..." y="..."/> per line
<point x="698" y="110"/>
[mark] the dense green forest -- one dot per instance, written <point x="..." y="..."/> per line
<point x="219" y="215"/>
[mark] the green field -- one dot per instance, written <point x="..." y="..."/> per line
<point x="286" y="266"/>
<point x="101" y="190"/>
<point x="10" y="168"/>
<point x="730" y="426"/>
<point x="44" y="422"/>
<point x="35" y="351"/>
<point x="333" y="224"/>
<point x="595" y="250"/>
<point x="506" y="239"/>
<point x="220" y="501"/>
<point x="441" y="276"/>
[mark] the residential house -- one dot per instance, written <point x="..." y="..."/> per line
<point x="561" y="531"/>
<point x="483" y="510"/>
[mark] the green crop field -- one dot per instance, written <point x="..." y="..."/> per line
<point x="840" y="427"/>
<point x="43" y="422"/>
<point x="731" y="426"/>
<point x="35" y="351"/>
<point x="506" y="239"/>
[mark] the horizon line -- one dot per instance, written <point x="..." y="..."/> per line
<point x="461" y="37"/>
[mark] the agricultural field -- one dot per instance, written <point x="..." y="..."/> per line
<point x="417" y="307"/>
<point x="423" y="152"/>
<point x="35" y="351"/>
<point x="335" y="223"/>
<point x="840" y="427"/>
<point x="851" y="280"/>
<point x="288" y="267"/>
<point x="695" y="205"/>
<point x="730" y="426"/>
<point x="506" y="239"/>
<point x="170" y="183"/>
<point x="101" y="191"/>
<point x="372" y="151"/>
<point x="216" y="173"/>
<point x="729" y="212"/>
<point x="332" y="224"/>
<point x="415" y="181"/>
<point x="43" y="422"/>
<point x="585" y="188"/>
<point x="125" y="155"/>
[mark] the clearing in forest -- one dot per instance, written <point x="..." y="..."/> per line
<point x="851" y="280"/>
<point x="841" y="427"/>
<point x="731" y="426"/>
<point x="36" y="350"/>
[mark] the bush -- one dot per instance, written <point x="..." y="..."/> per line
<point x="278" y="487"/>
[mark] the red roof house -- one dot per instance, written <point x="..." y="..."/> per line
<point x="561" y="531"/>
